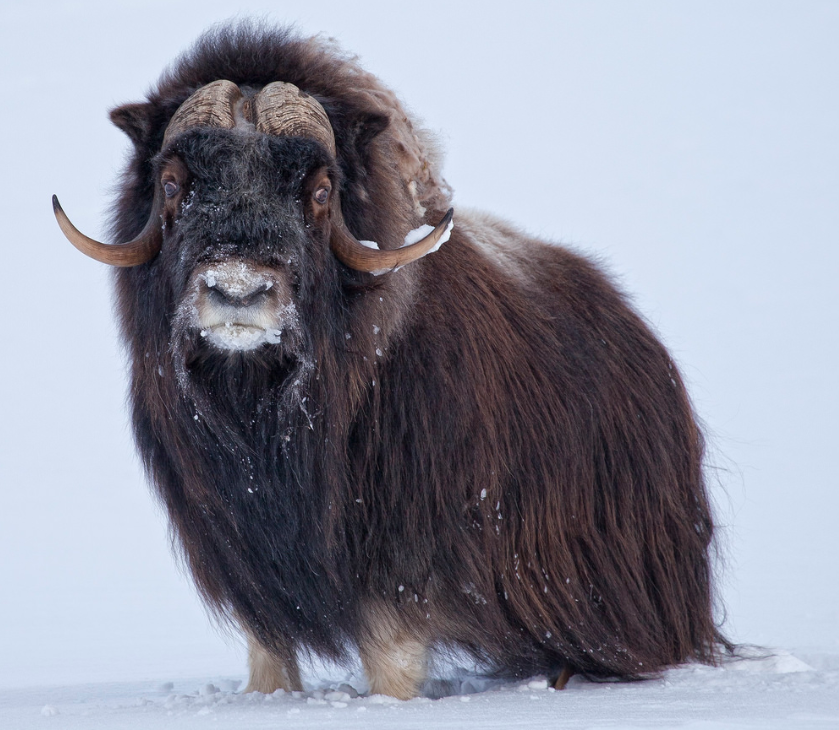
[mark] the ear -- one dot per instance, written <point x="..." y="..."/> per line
<point x="367" y="127"/>
<point x="134" y="120"/>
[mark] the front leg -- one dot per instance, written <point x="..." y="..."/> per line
<point x="270" y="671"/>
<point x="394" y="657"/>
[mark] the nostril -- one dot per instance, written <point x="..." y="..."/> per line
<point x="234" y="297"/>
<point x="217" y="296"/>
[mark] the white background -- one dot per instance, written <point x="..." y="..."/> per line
<point x="690" y="146"/>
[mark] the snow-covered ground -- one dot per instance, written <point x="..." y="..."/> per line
<point x="691" y="146"/>
<point x="781" y="691"/>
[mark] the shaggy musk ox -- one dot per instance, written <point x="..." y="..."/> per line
<point x="388" y="448"/>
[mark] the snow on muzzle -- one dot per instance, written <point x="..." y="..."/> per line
<point x="237" y="305"/>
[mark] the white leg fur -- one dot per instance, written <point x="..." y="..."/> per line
<point x="268" y="672"/>
<point x="395" y="661"/>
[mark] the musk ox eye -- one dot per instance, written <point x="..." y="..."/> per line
<point x="170" y="188"/>
<point x="321" y="195"/>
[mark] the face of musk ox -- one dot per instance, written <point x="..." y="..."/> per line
<point x="245" y="225"/>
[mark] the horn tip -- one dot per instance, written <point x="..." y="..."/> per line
<point x="56" y="206"/>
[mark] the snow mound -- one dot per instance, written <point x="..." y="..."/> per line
<point x="778" y="662"/>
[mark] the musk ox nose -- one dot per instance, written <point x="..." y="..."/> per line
<point x="235" y="283"/>
<point x="238" y="305"/>
<point x="232" y="294"/>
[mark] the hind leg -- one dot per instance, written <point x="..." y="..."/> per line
<point x="566" y="674"/>
<point x="394" y="658"/>
<point x="270" y="671"/>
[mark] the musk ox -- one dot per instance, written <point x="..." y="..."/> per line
<point x="365" y="444"/>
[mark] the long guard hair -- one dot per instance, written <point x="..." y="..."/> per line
<point x="490" y="442"/>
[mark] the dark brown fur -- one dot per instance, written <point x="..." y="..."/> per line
<point x="518" y="474"/>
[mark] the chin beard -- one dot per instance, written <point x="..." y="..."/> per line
<point x="244" y="387"/>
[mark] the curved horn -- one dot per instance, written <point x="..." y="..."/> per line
<point x="361" y="258"/>
<point x="210" y="106"/>
<point x="283" y="110"/>
<point x="138" y="251"/>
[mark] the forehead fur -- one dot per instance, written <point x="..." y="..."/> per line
<point x="243" y="161"/>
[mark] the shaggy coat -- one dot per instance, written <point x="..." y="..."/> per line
<point x="487" y="449"/>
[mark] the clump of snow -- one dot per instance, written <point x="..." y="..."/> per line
<point x="414" y="236"/>
<point x="417" y="234"/>
<point x="778" y="662"/>
<point x="231" y="336"/>
<point x="382" y="700"/>
<point x="240" y="279"/>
